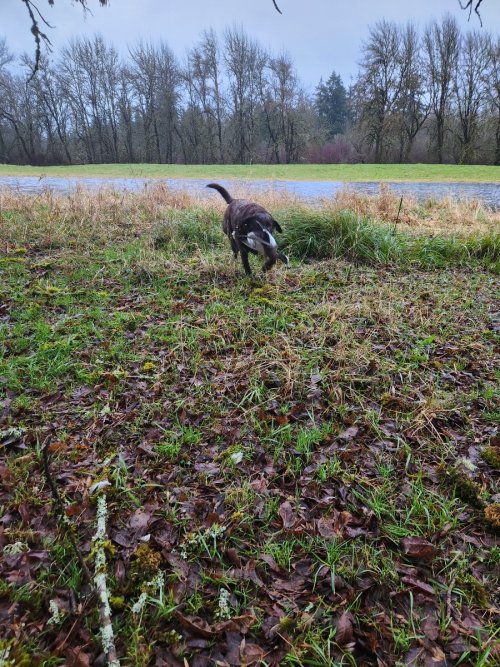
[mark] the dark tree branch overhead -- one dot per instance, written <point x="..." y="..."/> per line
<point x="40" y="36"/>
<point x="470" y="5"/>
<point x="37" y="33"/>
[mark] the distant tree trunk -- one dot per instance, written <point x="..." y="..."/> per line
<point x="497" y="144"/>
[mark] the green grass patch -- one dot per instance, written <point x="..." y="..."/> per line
<point x="313" y="172"/>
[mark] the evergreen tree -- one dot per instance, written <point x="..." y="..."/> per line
<point x="331" y="103"/>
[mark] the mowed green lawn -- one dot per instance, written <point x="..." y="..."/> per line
<point x="313" y="172"/>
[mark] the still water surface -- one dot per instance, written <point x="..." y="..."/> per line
<point x="488" y="193"/>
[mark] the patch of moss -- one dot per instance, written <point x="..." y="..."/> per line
<point x="462" y="485"/>
<point x="492" y="514"/>
<point x="12" y="655"/>
<point x="479" y="592"/>
<point x="117" y="603"/>
<point x="491" y="455"/>
<point x="147" y="561"/>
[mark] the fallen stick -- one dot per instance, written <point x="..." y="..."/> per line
<point x="99" y="540"/>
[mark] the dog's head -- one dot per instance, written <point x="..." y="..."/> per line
<point x="257" y="223"/>
<point x="257" y="235"/>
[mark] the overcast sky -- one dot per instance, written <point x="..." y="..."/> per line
<point x="321" y="35"/>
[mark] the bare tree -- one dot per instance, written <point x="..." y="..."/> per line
<point x="154" y="75"/>
<point x="90" y="77"/>
<point x="412" y="106"/>
<point x="492" y="80"/>
<point x="245" y="61"/>
<point x="54" y="109"/>
<point x="470" y="89"/>
<point x="203" y="80"/>
<point x="283" y="100"/>
<point x="5" y="59"/>
<point x="40" y="37"/>
<point x="379" y="84"/>
<point x="19" y="109"/>
<point x="441" y="45"/>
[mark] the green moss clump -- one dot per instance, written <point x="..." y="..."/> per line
<point x="492" y="456"/>
<point x="463" y="486"/>
<point x="147" y="561"/>
<point x="492" y="515"/>
<point x="479" y="592"/>
<point x="13" y="655"/>
<point x="117" y="603"/>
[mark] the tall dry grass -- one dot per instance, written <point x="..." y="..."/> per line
<point x="447" y="216"/>
<point x="177" y="219"/>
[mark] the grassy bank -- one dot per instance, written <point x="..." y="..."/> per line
<point x="310" y="459"/>
<point x="313" y="172"/>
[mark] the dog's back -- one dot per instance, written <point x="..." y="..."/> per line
<point x="239" y="210"/>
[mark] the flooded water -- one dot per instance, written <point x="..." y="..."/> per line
<point x="488" y="193"/>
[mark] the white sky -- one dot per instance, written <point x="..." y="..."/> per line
<point x="320" y="35"/>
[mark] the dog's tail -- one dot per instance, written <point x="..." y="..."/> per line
<point x="222" y="191"/>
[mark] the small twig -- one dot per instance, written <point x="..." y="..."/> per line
<point x="62" y="514"/>
<point x="41" y="36"/>
<point x="276" y="7"/>
<point x="42" y="17"/>
<point x="449" y="592"/>
<point x="397" y="217"/>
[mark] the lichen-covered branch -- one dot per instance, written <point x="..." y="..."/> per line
<point x="38" y="35"/>
<point x="100" y="581"/>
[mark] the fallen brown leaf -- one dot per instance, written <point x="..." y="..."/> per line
<point x="419" y="548"/>
<point x="345" y="629"/>
<point x="287" y="515"/>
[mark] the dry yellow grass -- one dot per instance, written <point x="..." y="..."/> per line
<point x="446" y="216"/>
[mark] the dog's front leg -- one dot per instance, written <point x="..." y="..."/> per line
<point x="234" y="248"/>
<point x="244" y="259"/>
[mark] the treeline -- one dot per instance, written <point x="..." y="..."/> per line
<point x="429" y="96"/>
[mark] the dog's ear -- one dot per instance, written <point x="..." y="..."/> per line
<point x="277" y="226"/>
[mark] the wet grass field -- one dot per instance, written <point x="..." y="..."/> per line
<point x="300" y="468"/>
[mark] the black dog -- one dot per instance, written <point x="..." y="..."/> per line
<point x="249" y="228"/>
